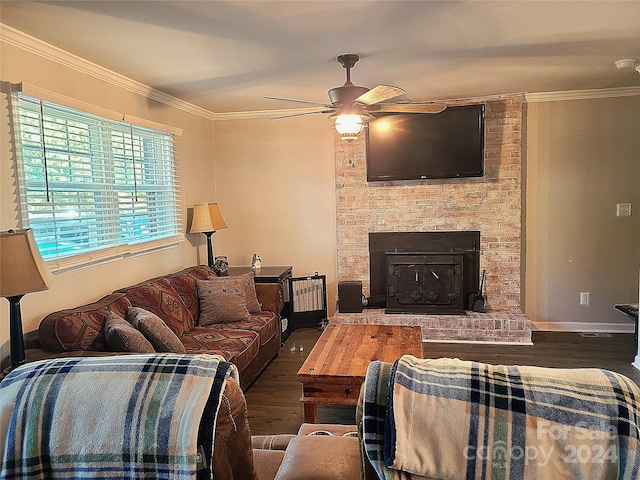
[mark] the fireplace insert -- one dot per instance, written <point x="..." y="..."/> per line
<point x="438" y="270"/>
<point x="424" y="282"/>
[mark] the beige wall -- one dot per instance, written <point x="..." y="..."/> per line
<point x="195" y="149"/>
<point x="275" y="185"/>
<point x="582" y="159"/>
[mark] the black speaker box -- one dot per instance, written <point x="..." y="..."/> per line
<point x="350" y="297"/>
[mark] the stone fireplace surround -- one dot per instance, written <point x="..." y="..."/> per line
<point x="491" y="204"/>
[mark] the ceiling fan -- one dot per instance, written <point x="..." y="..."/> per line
<point x="352" y="105"/>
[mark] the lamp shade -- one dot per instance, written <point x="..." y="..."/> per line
<point x="22" y="269"/>
<point x="216" y="217"/>
<point x="207" y="218"/>
<point x="201" y="219"/>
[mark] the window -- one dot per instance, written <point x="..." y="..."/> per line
<point x="92" y="186"/>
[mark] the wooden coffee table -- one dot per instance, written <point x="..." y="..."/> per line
<point x="337" y="365"/>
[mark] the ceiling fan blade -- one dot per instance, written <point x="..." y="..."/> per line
<point x="298" y="101"/>
<point x="380" y="94"/>
<point x="408" y="108"/>
<point x="301" y="114"/>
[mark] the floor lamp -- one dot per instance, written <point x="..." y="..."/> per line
<point x="207" y="219"/>
<point x="22" y="271"/>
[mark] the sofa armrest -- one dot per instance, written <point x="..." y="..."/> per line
<point x="32" y="340"/>
<point x="270" y="451"/>
<point x="270" y="296"/>
<point x="233" y="457"/>
<point x="319" y="457"/>
<point x="271" y="442"/>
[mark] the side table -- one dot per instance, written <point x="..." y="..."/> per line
<point x="631" y="311"/>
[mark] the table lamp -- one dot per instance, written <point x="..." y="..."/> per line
<point x="207" y="219"/>
<point x="22" y="271"/>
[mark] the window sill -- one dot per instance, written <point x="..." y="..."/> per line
<point x="109" y="255"/>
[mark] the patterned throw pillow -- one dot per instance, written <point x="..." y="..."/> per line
<point x="155" y="330"/>
<point x="122" y="337"/>
<point x="221" y="301"/>
<point x="247" y="280"/>
<point x="160" y="298"/>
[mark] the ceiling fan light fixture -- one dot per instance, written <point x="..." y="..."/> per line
<point x="349" y="125"/>
<point x="350" y="104"/>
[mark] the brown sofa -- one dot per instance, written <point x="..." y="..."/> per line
<point x="250" y="344"/>
<point x="235" y="454"/>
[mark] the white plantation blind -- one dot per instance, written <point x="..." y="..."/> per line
<point x="93" y="187"/>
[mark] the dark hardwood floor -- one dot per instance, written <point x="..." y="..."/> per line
<point x="274" y="399"/>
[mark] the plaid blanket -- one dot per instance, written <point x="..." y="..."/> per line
<point x="451" y="419"/>
<point x="373" y="402"/>
<point x="135" y="416"/>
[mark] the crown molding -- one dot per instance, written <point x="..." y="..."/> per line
<point x="36" y="46"/>
<point x="265" y="114"/>
<point x="582" y="94"/>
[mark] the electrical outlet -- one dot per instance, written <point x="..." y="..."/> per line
<point x="623" y="209"/>
<point x="585" y="299"/>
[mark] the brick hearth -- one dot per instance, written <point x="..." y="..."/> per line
<point x="491" y="204"/>
<point x="492" y="326"/>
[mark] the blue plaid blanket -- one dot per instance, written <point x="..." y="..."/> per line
<point x="137" y="416"/>
<point x="449" y="419"/>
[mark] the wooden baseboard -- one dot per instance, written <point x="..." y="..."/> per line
<point x="580" y="327"/>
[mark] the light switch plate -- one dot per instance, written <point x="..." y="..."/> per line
<point x="585" y="299"/>
<point x="623" y="210"/>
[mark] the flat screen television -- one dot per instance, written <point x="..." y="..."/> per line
<point x="418" y="146"/>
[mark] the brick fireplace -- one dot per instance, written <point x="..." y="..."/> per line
<point x="491" y="205"/>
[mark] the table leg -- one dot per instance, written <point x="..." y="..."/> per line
<point x="310" y="412"/>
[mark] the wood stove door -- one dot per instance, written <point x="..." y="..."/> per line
<point x="424" y="283"/>
<point x="408" y="285"/>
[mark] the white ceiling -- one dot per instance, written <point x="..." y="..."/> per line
<point x="224" y="56"/>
